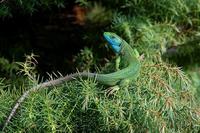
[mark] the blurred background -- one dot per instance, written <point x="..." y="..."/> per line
<point x="54" y="31"/>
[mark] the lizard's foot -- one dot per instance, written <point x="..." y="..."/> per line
<point x="112" y="90"/>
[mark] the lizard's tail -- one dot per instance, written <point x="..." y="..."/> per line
<point x="42" y="86"/>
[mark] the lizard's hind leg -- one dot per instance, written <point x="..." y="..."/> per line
<point x="122" y="84"/>
<point x="111" y="90"/>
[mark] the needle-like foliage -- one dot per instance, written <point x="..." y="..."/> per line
<point x="161" y="100"/>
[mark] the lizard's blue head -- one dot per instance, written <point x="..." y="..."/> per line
<point x="114" y="41"/>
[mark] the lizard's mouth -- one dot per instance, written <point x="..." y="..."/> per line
<point x="114" y="41"/>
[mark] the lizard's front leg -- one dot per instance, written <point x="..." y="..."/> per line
<point x="117" y="63"/>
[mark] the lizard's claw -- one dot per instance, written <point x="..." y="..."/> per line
<point x="141" y="57"/>
<point x="112" y="90"/>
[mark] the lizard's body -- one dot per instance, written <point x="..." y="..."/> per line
<point x="129" y="60"/>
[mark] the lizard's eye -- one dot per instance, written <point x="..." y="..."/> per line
<point x="112" y="37"/>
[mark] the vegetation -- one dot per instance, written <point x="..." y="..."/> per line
<point x="165" y="98"/>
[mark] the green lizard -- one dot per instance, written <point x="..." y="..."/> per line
<point x="129" y="60"/>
